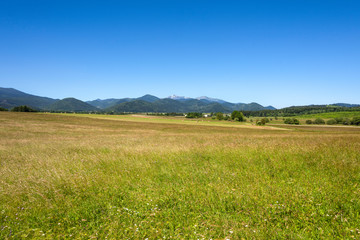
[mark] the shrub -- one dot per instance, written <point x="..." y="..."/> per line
<point x="291" y="121"/>
<point x="355" y="121"/>
<point x="3" y="109"/>
<point x="288" y="121"/>
<point x="237" y="116"/>
<point x="260" y="122"/>
<point x="319" y="121"/>
<point x="331" y="122"/>
<point x="219" y="116"/>
<point x="346" y="121"/>
<point x="339" y="120"/>
<point x="309" y="121"/>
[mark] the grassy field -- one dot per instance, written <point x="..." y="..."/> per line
<point x="330" y="115"/>
<point x="129" y="177"/>
<point x="174" y="120"/>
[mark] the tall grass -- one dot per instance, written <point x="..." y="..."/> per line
<point x="73" y="177"/>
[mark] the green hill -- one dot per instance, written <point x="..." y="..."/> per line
<point x="133" y="106"/>
<point x="10" y="97"/>
<point x="102" y="104"/>
<point x="71" y="105"/>
<point x="248" y="107"/>
<point x="148" y="98"/>
<point x="215" y="107"/>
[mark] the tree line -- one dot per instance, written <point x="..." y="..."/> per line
<point x="299" y="110"/>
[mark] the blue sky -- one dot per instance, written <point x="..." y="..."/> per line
<point x="278" y="53"/>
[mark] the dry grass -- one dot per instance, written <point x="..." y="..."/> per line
<point x="65" y="176"/>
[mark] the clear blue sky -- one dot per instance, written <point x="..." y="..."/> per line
<point x="278" y="53"/>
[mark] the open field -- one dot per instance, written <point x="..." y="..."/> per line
<point x="330" y="115"/>
<point x="141" y="118"/>
<point x="128" y="177"/>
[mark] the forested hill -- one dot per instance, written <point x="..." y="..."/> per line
<point x="10" y="97"/>
<point x="71" y="105"/>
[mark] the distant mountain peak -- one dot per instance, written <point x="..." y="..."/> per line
<point x="210" y="99"/>
<point x="270" y="107"/>
<point x="176" y="97"/>
<point x="346" y="105"/>
<point x="148" y="98"/>
<point x="204" y="97"/>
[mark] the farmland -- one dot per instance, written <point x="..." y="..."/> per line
<point x="136" y="177"/>
<point x="332" y="115"/>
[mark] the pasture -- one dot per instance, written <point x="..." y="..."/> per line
<point x="330" y="115"/>
<point x="70" y="176"/>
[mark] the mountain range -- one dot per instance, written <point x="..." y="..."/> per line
<point x="149" y="103"/>
<point x="10" y="97"/>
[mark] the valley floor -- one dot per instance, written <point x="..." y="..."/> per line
<point x="65" y="176"/>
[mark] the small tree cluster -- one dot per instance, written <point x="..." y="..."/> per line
<point x="331" y="122"/>
<point x="194" y="115"/>
<point x="355" y="121"/>
<point x="319" y="121"/>
<point x="237" y="116"/>
<point x="3" y="109"/>
<point x="338" y="120"/>
<point x="23" y="108"/>
<point x="291" y="121"/>
<point x="347" y="121"/>
<point x="262" y="122"/>
<point x="266" y="120"/>
<point x="219" y="116"/>
<point x="316" y="121"/>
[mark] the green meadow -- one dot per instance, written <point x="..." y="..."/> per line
<point x="74" y="176"/>
<point x="332" y="115"/>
